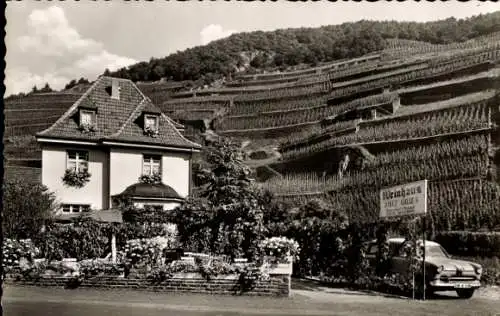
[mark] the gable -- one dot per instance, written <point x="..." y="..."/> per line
<point x="118" y="106"/>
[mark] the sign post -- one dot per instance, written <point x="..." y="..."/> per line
<point x="406" y="200"/>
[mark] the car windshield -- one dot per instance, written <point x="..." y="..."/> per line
<point x="435" y="251"/>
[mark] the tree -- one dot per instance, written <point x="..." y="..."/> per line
<point x="259" y="61"/>
<point x="70" y="85"/>
<point x="83" y="81"/>
<point x="26" y="209"/>
<point x="46" y="88"/>
<point x="227" y="217"/>
<point x="289" y="47"/>
<point x="321" y="233"/>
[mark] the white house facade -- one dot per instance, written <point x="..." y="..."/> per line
<point x="114" y="144"/>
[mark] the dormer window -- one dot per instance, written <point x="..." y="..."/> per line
<point x="86" y="117"/>
<point x="87" y="121"/>
<point x="151" y="122"/>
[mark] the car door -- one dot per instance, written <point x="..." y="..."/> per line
<point x="371" y="253"/>
<point x="400" y="260"/>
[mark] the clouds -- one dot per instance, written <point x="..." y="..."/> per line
<point x="213" y="32"/>
<point x="55" y="52"/>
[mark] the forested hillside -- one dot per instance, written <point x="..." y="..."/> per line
<point x="256" y="51"/>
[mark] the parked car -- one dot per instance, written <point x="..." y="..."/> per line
<point x="443" y="273"/>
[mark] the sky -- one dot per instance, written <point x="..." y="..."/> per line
<point x="55" y="42"/>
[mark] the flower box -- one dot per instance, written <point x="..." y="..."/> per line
<point x="198" y="276"/>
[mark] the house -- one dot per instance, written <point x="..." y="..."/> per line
<point x="111" y="144"/>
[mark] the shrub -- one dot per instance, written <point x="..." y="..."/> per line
<point x="15" y="250"/>
<point x="146" y="251"/>
<point x="472" y="244"/>
<point x="93" y="267"/>
<point x="82" y="239"/>
<point x="214" y="267"/>
<point x="27" y="208"/>
<point x="279" y="249"/>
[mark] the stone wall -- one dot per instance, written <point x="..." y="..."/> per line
<point x="277" y="285"/>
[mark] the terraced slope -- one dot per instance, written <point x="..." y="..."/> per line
<point x="346" y="129"/>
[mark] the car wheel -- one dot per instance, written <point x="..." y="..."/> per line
<point x="465" y="293"/>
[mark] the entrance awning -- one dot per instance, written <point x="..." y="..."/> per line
<point x="154" y="191"/>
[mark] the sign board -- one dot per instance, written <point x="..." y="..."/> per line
<point x="402" y="200"/>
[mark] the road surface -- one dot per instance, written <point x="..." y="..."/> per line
<point x="305" y="300"/>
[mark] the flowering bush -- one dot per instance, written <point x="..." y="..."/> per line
<point x="279" y="249"/>
<point x="35" y="270"/>
<point x="76" y="179"/>
<point x="93" y="267"/>
<point x="160" y="274"/>
<point x="151" y="179"/>
<point x="82" y="239"/>
<point x="146" y="251"/>
<point x="15" y="250"/>
<point x="151" y="132"/>
<point x="215" y="267"/>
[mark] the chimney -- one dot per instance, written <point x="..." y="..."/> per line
<point x="115" y="89"/>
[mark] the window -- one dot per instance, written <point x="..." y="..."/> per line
<point x="373" y="248"/>
<point x="394" y="248"/>
<point x="151" y="164"/>
<point x="78" y="160"/>
<point x="75" y="208"/>
<point x="86" y="117"/>
<point x="151" y="122"/>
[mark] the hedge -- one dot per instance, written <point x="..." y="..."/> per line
<point x="474" y="244"/>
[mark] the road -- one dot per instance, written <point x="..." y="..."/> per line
<point x="306" y="300"/>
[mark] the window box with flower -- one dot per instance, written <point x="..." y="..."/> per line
<point x="151" y="169"/>
<point x="76" y="174"/>
<point x="87" y="121"/>
<point x="76" y="179"/>
<point x="151" y="125"/>
<point x="151" y="132"/>
<point x="87" y="128"/>
<point x="150" y="178"/>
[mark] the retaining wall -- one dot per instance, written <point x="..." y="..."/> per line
<point x="277" y="285"/>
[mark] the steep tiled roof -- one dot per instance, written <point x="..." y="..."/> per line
<point x="117" y="119"/>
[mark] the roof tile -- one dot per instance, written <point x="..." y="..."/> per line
<point x="117" y="119"/>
